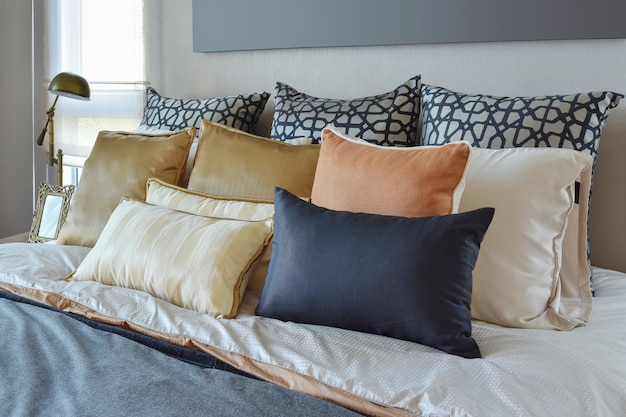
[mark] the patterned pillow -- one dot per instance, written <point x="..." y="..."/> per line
<point x="560" y="121"/>
<point x="385" y="119"/>
<point x="241" y="112"/>
<point x="572" y="121"/>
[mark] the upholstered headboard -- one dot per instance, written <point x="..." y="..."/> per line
<point x="607" y="223"/>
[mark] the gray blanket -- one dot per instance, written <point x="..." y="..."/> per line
<point x="52" y="364"/>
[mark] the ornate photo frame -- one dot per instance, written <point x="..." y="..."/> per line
<point x="53" y="203"/>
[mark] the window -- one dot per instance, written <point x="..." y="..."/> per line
<point x="105" y="41"/>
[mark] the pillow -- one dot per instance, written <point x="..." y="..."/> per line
<point x="532" y="270"/>
<point x="192" y="261"/>
<point x="411" y="182"/>
<point x="169" y="196"/>
<point x="233" y="163"/>
<point x="407" y="278"/>
<point x="572" y="121"/>
<point x="119" y="165"/>
<point x="386" y="119"/>
<point x="560" y="121"/>
<point x="241" y="111"/>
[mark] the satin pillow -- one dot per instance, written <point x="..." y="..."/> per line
<point x="195" y="262"/>
<point x="232" y="163"/>
<point x="119" y="165"/>
<point x="532" y="270"/>
<point x="169" y="196"/>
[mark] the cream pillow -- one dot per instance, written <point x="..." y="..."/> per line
<point x="233" y="163"/>
<point x="119" y="165"/>
<point x="532" y="269"/>
<point x="169" y="196"/>
<point x="195" y="262"/>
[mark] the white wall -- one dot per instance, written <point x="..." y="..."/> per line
<point x="500" y="68"/>
<point x="16" y="124"/>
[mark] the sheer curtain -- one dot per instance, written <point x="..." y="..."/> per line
<point x="105" y="41"/>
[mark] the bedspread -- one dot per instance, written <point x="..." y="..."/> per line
<point x="522" y="372"/>
<point x="125" y="379"/>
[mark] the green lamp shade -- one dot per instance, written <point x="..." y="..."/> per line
<point x="68" y="84"/>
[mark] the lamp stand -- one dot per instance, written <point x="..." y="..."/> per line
<point x="58" y="161"/>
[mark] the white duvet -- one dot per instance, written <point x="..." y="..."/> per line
<point x="522" y="373"/>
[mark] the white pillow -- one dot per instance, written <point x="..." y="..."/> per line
<point x="192" y="261"/>
<point x="532" y="270"/>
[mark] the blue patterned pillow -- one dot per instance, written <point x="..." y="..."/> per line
<point x="385" y="119"/>
<point x="572" y="121"/>
<point x="402" y="277"/>
<point x="559" y="121"/>
<point x="241" y="112"/>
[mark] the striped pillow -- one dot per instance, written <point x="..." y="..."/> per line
<point x="178" y="257"/>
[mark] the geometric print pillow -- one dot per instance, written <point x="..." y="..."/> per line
<point x="559" y="121"/>
<point x="241" y="112"/>
<point x="385" y="119"/>
<point x="572" y="121"/>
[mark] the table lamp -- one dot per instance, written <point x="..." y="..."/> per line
<point x="64" y="84"/>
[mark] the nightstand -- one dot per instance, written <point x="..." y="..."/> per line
<point x="22" y="237"/>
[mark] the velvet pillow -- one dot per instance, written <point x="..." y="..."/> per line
<point x="195" y="262"/>
<point x="232" y="163"/>
<point x="386" y="119"/>
<point x="407" y="278"/>
<point x="358" y="176"/>
<point x="119" y="165"/>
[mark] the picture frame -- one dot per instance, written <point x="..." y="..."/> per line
<point x="53" y="203"/>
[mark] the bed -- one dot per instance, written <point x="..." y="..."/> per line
<point x="421" y="252"/>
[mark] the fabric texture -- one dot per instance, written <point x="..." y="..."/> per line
<point x="119" y="165"/>
<point x="117" y="376"/>
<point x="172" y="197"/>
<point x="192" y="261"/>
<point x="386" y="119"/>
<point x="532" y="270"/>
<point x="240" y="111"/>
<point x="560" y="121"/>
<point x="232" y="163"/>
<point x="406" y="278"/>
<point x="355" y="175"/>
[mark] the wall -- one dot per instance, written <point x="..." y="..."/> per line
<point x="16" y="124"/>
<point x="501" y="68"/>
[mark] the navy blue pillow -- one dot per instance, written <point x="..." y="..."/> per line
<point x="407" y="278"/>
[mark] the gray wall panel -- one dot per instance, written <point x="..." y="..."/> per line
<point x="224" y="25"/>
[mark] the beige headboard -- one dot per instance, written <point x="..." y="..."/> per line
<point x="607" y="223"/>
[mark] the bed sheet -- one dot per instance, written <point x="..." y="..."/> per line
<point x="522" y="372"/>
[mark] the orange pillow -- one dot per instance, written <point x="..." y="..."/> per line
<point x="354" y="175"/>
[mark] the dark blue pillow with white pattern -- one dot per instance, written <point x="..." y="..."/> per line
<point x="241" y="112"/>
<point x="384" y="119"/>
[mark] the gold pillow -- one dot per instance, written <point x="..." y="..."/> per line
<point x="195" y="262"/>
<point x="172" y="197"/>
<point x="357" y="176"/>
<point x="233" y="163"/>
<point x="119" y="165"/>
